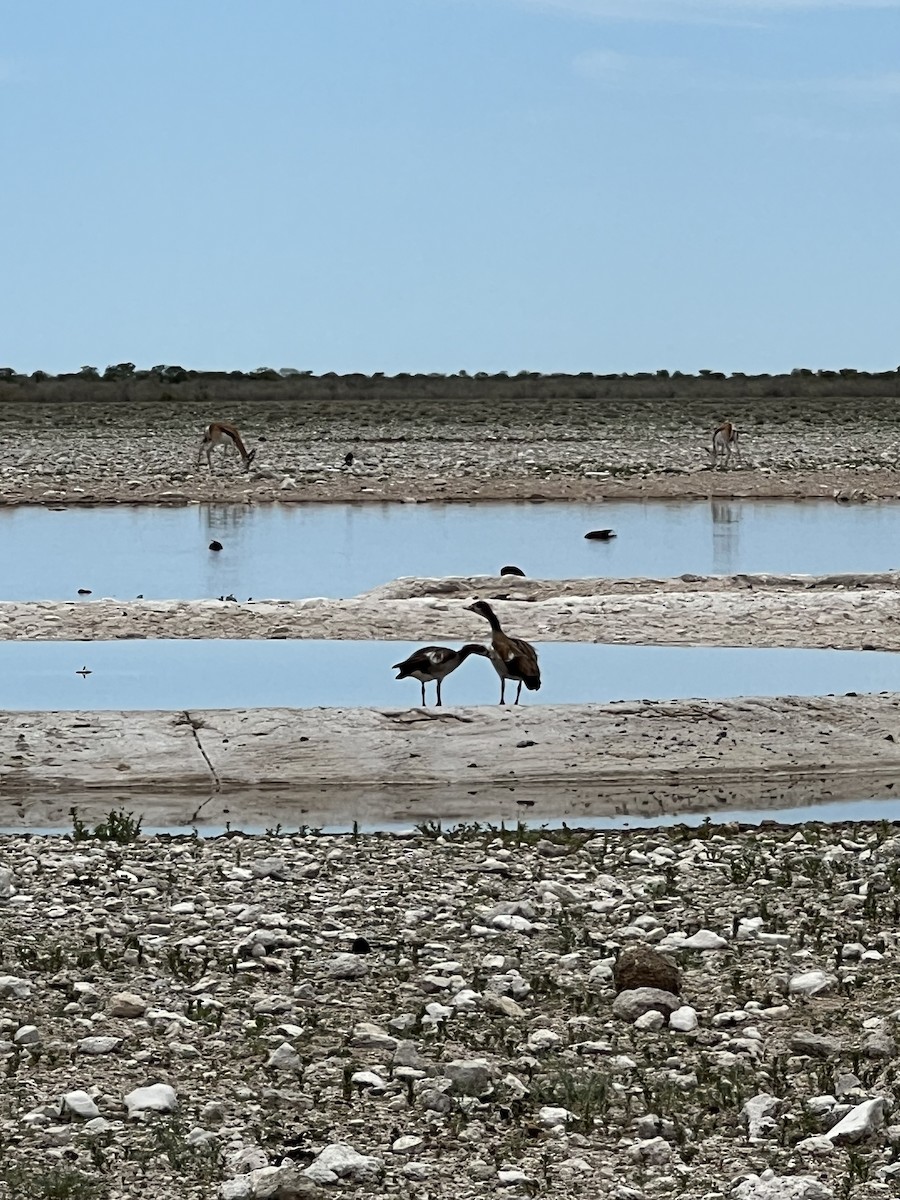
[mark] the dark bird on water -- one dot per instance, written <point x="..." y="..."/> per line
<point x="432" y="664"/>
<point x="512" y="571"/>
<point x="600" y="535"/>
<point x="513" y="658"/>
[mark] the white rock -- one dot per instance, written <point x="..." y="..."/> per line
<point x="157" y="1097"/>
<point x="683" y="1019"/>
<point x="285" y="1058"/>
<point x="512" y="1175"/>
<point x="819" y="1146"/>
<point x="80" y="1104"/>
<point x="860" y="1121"/>
<point x="757" y="1113"/>
<point x="126" y="1004"/>
<point x="654" y="1151"/>
<point x="550" y="1117"/>
<point x="343" y="1162"/>
<point x="782" y="1187"/>
<point x="98" y="1045"/>
<point x="13" y="988"/>
<point x="812" y="983"/>
<point x="6" y="883"/>
<point x="403" y="1145"/>
<point x="372" y="1037"/>
<point x="704" y="939"/>
<point x="652" y="1021"/>
<point x="368" y="1079"/>
<point x="27" y="1035"/>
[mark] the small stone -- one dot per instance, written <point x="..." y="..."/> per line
<point x="684" y="1019"/>
<point x="347" y="966"/>
<point x="470" y="1076"/>
<point x="6" y="883"/>
<point x="126" y="1004"/>
<point x="27" y="1035"/>
<point x="79" y="1104"/>
<point x="13" y="988"/>
<point x="757" y="1113"/>
<point x="632" y="1004"/>
<point x="98" y="1045"/>
<point x="343" y="1162"/>
<point x="651" y="1021"/>
<point x="403" y="1145"/>
<point x="782" y="1187"/>
<point x="157" y="1097"/>
<point x="704" y="939"/>
<point x="550" y="1117"/>
<point x="285" y="1058"/>
<point x="812" y="983"/>
<point x="814" y="1045"/>
<point x="654" y="1151"/>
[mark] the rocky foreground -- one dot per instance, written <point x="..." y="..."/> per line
<point x="444" y="1015"/>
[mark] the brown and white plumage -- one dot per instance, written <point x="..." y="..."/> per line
<point x="220" y="433"/>
<point x="513" y="658"/>
<point x="432" y="664"/>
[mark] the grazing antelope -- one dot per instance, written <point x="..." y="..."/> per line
<point x="220" y="433"/>
<point x="725" y="442"/>
<point x="512" y="657"/>
<point x="432" y="664"/>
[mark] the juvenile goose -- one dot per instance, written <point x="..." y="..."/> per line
<point x="513" y="658"/>
<point x="432" y="664"/>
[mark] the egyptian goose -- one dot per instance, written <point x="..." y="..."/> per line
<point x="432" y="664"/>
<point x="512" y="657"/>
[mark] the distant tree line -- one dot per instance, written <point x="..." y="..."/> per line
<point x="123" y="381"/>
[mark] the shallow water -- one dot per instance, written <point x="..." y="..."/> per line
<point x="286" y="552"/>
<point x="248" y="674"/>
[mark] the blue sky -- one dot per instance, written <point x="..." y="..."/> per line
<point x="429" y="185"/>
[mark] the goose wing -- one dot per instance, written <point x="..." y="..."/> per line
<point x="521" y="661"/>
<point x="427" y="659"/>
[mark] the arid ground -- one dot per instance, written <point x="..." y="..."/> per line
<point x="442" y="1015"/>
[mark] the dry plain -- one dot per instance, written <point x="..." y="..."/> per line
<point x="473" y="1044"/>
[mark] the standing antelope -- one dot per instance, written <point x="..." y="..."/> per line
<point x="725" y="442"/>
<point x="220" y="433"/>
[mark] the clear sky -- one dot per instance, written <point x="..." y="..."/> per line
<point x="429" y="185"/>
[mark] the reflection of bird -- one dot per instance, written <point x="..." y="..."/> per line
<point x="431" y="664"/>
<point x="84" y="672"/>
<point x="513" y="658"/>
<point x="348" y="459"/>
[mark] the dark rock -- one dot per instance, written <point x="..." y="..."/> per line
<point x="512" y="571"/>
<point x="641" y="966"/>
<point x="360" y="946"/>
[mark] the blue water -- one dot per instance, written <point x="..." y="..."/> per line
<point x="286" y="552"/>
<point x="245" y="674"/>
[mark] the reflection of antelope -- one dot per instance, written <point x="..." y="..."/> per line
<point x="725" y="442"/>
<point x="220" y="433"/>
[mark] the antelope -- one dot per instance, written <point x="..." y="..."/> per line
<point x="725" y="442"/>
<point x="220" y="433"/>
<point x="512" y="657"/>
<point x="432" y="664"/>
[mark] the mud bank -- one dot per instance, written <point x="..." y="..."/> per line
<point x="840" y="612"/>
<point x="624" y="746"/>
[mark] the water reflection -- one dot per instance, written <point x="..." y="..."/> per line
<point x="284" y="552"/>
<point x="726" y="517"/>
<point x="863" y="797"/>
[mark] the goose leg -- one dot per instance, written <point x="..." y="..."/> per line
<point x="502" y="690"/>
<point x="439" y="705"/>
<point x="518" y="691"/>
<point x="423" y="695"/>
